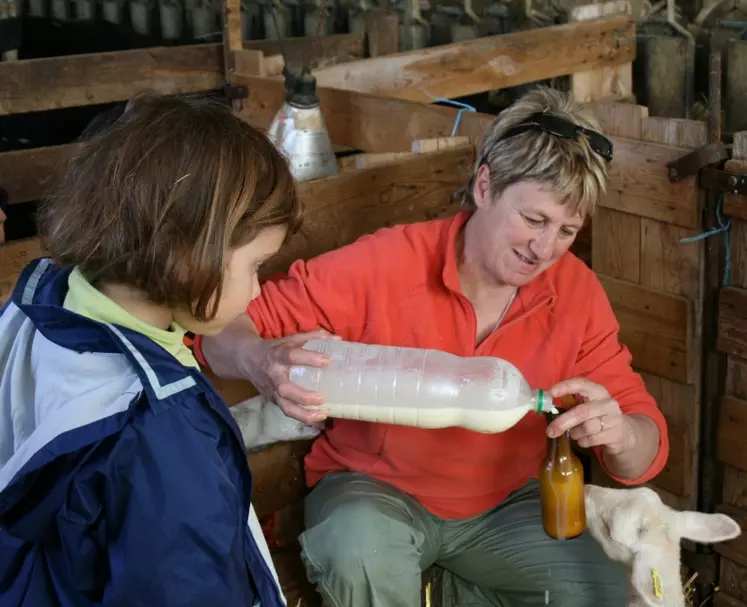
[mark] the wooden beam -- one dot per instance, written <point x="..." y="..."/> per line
<point x="676" y="477"/>
<point x="655" y="327"/>
<point x="75" y="80"/>
<point x="353" y="120"/>
<point x="638" y="184"/>
<point x="737" y="548"/>
<point x="25" y="174"/>
<point x="732" y="428"/>
<point x="482" y="64"/>
<point x="732" y="321"/>
<point x="14" y="256"/>
<point x="382" y="32"/>
<point x="340" y="209"/>
<point x="318" y="51"/>
<point x="364" y="121"/>
<point x="609" y="82"/>
<point x="724" y="600"/>
<point x="735" y="205"/>
<point x="278" y="475"/>
<point x="732" y="580"/>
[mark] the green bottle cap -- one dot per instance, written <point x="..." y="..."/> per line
<point x="540" y="401"/>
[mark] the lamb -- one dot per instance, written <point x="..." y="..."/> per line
<point x="263" y="423"/>
<point x="633" y="526"/>
<point x="636" y="529"/>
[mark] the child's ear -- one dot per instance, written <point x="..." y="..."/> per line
<point x="707" y="528"/>
<point x="646" y="577"/>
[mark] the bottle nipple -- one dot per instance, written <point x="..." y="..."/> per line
<point x="545" y="404"/>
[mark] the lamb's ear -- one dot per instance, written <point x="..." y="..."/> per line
<point x="707" y="528"/>
<point x="646" y="578"/>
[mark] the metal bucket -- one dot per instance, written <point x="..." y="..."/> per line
<point x="419" y="33"/>
<point x="250" y="14"/>
<point x="60" y="10"/>
<point x="357" y="21"/>
<point x="140" y="16"/>
<point x="85" y="10"/>
<point x="442" y="22"/>
<point x="276" y="22"/>
<point x="311" y="22"/>
<point x="204" y="20"/>
<point x="461" y="32"/>
<point x="111" y="11"/>
<point x="36" y="8"/>
<point x="497" y="19"/>
<point x="171" y="19"/>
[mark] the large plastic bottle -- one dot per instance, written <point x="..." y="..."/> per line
<point x="561" y="481"/>
<point x="421" y="388"/>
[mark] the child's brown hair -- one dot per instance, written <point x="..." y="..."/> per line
<point x="158" y="198"/>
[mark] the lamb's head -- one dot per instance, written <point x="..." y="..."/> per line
<point x="635" y="528"/>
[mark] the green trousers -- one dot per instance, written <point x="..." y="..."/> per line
<point x="367" y="543"/>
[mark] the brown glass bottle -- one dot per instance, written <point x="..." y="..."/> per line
<point x="561" y="481"/>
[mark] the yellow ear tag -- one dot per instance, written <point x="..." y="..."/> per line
<point x="657" y="584"/>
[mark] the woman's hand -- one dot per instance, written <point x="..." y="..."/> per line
<point x="596" y="422"/>
<point x="269" y="369"/>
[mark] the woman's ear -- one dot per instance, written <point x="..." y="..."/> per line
<point x="482" y="191"/>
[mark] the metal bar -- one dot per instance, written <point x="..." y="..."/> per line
<point x="724" y="181"/>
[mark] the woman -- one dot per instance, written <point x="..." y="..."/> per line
<point x="496" y="280"/>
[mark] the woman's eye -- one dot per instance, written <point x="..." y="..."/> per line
<point x="566" y="233"/>
<point x="532" y="221"/>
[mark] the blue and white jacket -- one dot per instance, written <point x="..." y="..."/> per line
<point x="123" y="476"/>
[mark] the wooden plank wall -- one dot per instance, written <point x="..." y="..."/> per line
<point x="654" y="281"/>
<point x="732" y="427"/>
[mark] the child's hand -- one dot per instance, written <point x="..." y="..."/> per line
<point x="271" y="367"/>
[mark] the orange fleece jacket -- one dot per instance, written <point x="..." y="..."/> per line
<point x="399" y="286"/>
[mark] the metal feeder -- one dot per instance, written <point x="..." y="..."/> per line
<point x="141" y="12"/>
<point x="171" y="19"/>
<point x="112" y="11"/>
<point x="318" y="19"/>
<point x="277" y="20"/>
<point x="203" y="19"/>
<point x="414" y="31"/>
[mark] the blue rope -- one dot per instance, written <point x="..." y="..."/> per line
<point x="464" y="108"/>
<point x="723" y="228"/>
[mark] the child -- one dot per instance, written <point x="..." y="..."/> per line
<point x="123" y="477"/>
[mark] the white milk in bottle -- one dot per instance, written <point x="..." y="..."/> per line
<point x="418" y="387"/>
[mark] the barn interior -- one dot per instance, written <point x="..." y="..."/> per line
<point x="407" y="89"/>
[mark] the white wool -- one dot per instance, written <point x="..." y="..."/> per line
<point x="635" y="528"/>
<point x="263" y="423"/>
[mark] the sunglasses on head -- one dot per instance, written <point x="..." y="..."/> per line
<point x="560" y="127"/>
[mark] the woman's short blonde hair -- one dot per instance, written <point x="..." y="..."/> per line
<point x="575" y="172"/>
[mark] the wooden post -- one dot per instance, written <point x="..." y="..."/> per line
<point x="231" y="42"/>
<point x="665" y="75"/>
<point x="732" y="422"/>
<point x="483" y="64"/>
<point x="607" y="82"/>
<point x="736" y="86"/>
<point x="648" y="272"/>
<point x="382" y="32"/>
